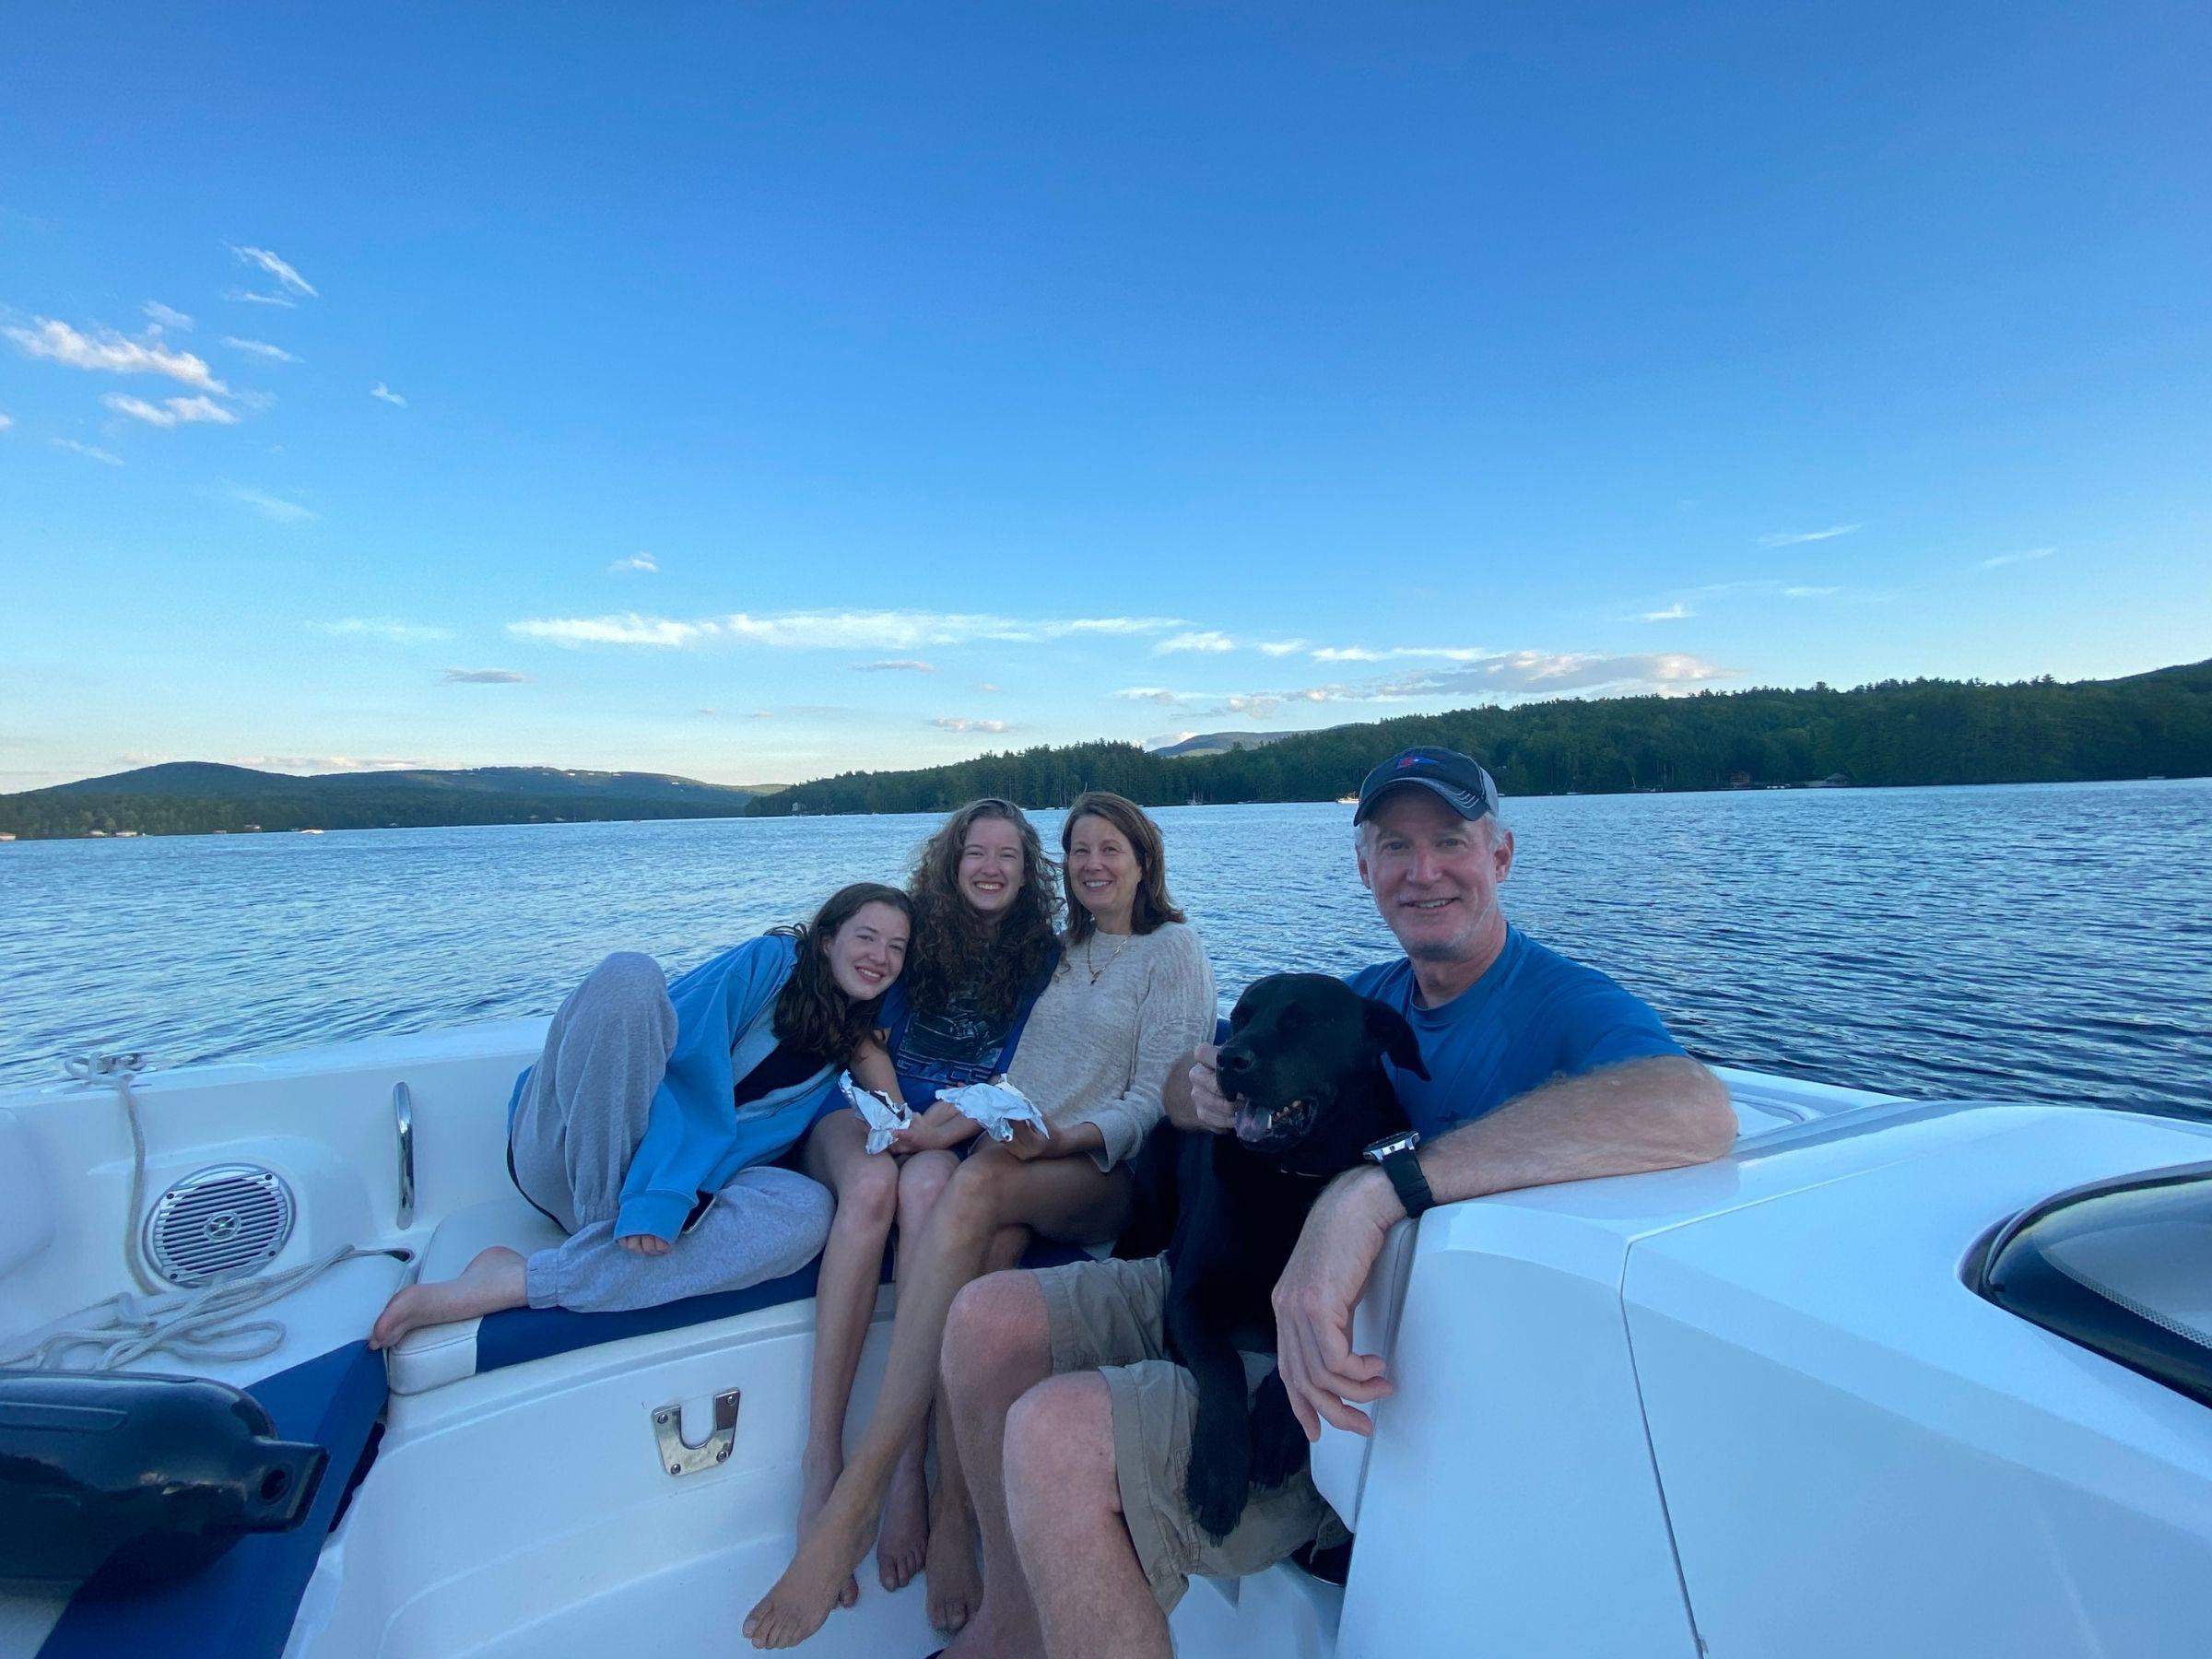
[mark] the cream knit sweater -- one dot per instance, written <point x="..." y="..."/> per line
<point x="1097" y="1052"/>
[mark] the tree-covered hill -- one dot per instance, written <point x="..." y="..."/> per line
<point x="1896" y="732"/>
<point x="196" y="797"/>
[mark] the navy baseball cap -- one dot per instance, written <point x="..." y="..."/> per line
<point x="1463" y="785"/>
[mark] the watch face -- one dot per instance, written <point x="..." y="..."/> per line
<point x="1389" y="1144"/>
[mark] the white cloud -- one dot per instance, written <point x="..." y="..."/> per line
<point x="1361" y="653"/>
<point x="954" y="723"/>
<point x="1211" y="640"/>
<point x="289" y="280"/>
<point x="979" y="685"/>
<point x="172" y="411"/>
<point x="1275" y="648"/>
<point x="167" y="316"/>
<point x="1810" y="593"/>
<point x="105" y="351"/>
<point x="383" y="628"/>
<point x="276" y="354"/>
<point x="896" y="665"/>
<point x="827" y="630"/>
<point x="6" y="421"/>
<point x="390" y="396"/>
<point x="481" y="676"/>
<point x="105" y="457"/>
<point x="272" y="507"/>
<point x="632" y="630"/>
<point x="1790" y="539"/>
<point x="636" y="561"/>
<point x="1492" y="676"/>
<point x="245" y="297"/>
<point x="2008" y="558"/>
<point x="1673" y="613"/>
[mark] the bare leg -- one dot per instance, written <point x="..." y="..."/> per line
<point x="1062" y="1197"/>
<point x="493" y="1280"/>
<point x="955" y="1585"/>
<point x="845" y="1298"/>
<point x="1065" y="1505"/>
<point x="903" y="1543"/>
<point x="997" y="1347"/>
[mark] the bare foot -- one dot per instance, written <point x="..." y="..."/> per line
<point x="798" y="1602"/>
<point x="975" y="1639"/>
<point x="955" y="1587"/>
<point x="903" y="1543"/>
<point x="821" y="1470"/>
<point x="492" y="1282"/>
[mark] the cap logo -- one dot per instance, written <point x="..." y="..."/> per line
<point x="1406" y="761"/>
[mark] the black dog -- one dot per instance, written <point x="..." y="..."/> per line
<point x="1304" y="1063"/>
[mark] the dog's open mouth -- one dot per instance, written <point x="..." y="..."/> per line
<point x="1259" y="1125"/>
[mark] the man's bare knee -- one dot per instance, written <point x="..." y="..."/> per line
<point x="1060" y="1442"/>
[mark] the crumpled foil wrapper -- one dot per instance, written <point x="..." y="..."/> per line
<point x="884" y="1116"/>
<point x="997" y="1106"/>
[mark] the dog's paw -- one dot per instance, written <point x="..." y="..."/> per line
<point x="1215" y="1488"/>
<point x="1279" y="1448"/>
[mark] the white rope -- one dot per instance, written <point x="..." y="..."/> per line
<point x="119" y="1070"/>
<point x="206" y="1325"/>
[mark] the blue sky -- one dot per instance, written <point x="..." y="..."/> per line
<point x="757" y="392"/>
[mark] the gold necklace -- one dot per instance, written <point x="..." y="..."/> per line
<point x="1095" y="971"/>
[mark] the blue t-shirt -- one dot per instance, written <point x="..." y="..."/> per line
<point x="957" y="1046"/>
<point x="1532" y="1016"/>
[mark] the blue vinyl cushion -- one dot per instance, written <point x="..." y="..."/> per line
<point x="521" y="1335"/>
<point x="242" y="1607"/>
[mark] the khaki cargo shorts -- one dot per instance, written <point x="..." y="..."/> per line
<point x="1105" y="1316"/>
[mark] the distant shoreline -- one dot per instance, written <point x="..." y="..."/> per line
<point x="260" y="832"/>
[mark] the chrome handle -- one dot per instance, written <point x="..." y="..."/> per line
<point x="403" y="1118"/>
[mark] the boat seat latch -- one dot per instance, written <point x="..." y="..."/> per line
<point x="678" y="1455"/>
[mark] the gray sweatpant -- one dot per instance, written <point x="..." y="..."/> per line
<point x="581" y="1114"/>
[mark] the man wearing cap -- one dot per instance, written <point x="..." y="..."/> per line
<point x="1541" y="1070"/>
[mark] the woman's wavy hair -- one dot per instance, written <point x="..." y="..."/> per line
<point x="1153" y="905"/>
<point x="956" y="952"/>
<point x="813" y="1013"/>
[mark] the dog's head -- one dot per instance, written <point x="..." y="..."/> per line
<point x="1303" y="1065"/>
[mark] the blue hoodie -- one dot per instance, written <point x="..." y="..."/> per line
<point x="696" y="1139"/>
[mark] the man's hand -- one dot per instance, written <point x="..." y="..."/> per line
<point x="644" y="1244"/>
<point x="1198" y="1103"/>
<point x="1313" y="1301"/>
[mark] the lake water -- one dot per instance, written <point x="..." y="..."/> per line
<point x="2046" y="942"/>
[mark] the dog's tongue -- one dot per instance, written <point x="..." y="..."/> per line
<point x="1254" y="1122"/>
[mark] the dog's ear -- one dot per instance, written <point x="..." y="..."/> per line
<point x="1393" y="1038"/>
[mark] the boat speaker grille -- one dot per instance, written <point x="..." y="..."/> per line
<point x="219" y="1223"/>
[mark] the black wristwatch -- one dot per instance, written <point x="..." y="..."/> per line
<point x="1395" y="1154"/>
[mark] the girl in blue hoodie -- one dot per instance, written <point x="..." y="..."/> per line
<point x="648" y="1125"/>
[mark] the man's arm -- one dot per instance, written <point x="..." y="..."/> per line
<point x="1658" y="1113"/>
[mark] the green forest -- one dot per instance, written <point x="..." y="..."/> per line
<point x="1896" y="732"/>
<point x="45" y="814"/>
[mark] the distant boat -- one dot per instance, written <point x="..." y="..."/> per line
<point x="1347" y="800"/>
<point x="311" y="831"/>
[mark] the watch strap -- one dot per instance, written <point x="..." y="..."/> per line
<point x="1404" y="1167"/>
